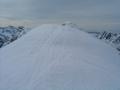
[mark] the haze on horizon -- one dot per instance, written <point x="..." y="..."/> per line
<point x="89" y="14"/>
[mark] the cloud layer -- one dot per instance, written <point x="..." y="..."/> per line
<point x="88" y="13"/>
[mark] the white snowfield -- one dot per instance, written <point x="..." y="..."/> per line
<point x="56" y="57"/>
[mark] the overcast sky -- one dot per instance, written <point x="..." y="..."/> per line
<point x="90" y="14"/>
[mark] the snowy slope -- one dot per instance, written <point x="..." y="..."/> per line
<point x="56" y="57"/>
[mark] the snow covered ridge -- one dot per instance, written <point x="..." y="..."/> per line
<point x="58" y="57"/>
<point x="10" y="34"/>
<point x="110" y="38"/>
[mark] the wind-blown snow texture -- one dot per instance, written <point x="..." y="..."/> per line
<point x="56" y="57"/>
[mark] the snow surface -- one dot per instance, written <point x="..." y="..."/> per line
<point x="56" y="57"/>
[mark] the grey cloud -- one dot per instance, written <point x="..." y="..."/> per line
<point x="80" y="11"/>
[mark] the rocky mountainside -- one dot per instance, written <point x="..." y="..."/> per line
<point x="10" y="34"/>
<point x="108" y="37"/>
